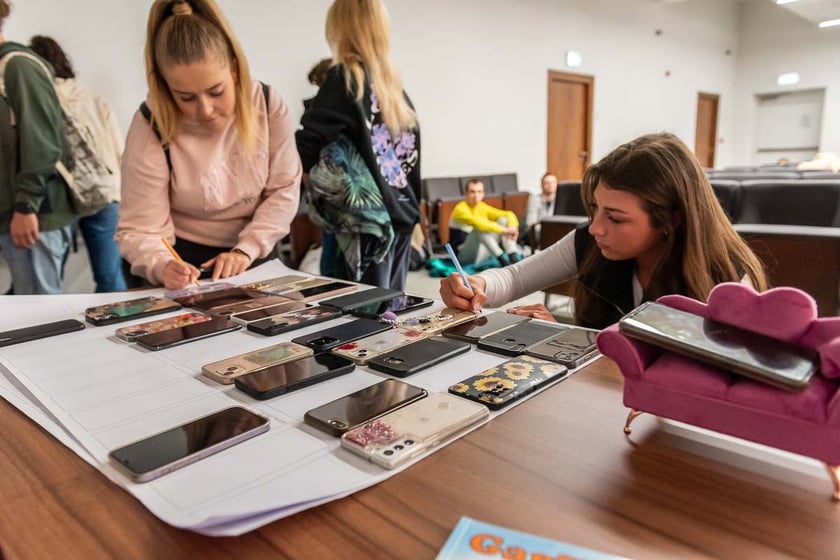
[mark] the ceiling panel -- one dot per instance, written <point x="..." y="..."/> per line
<point x="814" y="11"/>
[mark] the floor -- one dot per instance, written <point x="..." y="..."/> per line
<point x="78" y="279"/>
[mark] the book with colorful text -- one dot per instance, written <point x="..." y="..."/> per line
<point x="473" y="539"/>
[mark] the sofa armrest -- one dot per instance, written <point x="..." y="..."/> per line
<point x="632" y="356"/>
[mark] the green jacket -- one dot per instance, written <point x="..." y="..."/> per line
<point x="30" y="148"/>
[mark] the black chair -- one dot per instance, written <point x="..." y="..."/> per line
<point x="812" y="175"/>
<point x="568" y="202"/>
<point x="755" y="176"/>
<point x="803" y="203"/>
<point x="441" y="188"/>
<point x="504" y="183"/>
<point x="728" y="194"/>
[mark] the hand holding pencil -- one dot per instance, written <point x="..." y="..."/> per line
<point x="179" y="273"/>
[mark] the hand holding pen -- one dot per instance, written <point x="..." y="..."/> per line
<point x="461" y="291"/>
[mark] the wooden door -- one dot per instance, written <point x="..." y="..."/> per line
<point x="705" y="138"/>
<point x="569" y="124"/>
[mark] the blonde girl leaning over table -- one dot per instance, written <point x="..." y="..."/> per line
<point x="228" y="187"/>
<point x="655" y="227"/>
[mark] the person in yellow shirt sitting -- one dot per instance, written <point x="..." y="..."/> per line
<point x="489" y="231"/>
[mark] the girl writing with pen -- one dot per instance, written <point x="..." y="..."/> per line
<point x="213" y="169"/>
<point x="655" y="227"/>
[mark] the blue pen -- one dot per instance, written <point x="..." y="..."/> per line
<point x="458" y="267"/>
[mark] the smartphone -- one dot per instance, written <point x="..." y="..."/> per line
<point x="193" y="290"/>
<point x="249" y="305"/>
<point x="301" y="283"/>
<point x="128" y="310"/>
<point x="516" y="339"/>
<point x="399" y="304"/>
<point x="225" y="371"/>
<point x="571" y="347"/>
<point x="399" y="436"/>
<point x="320" y="291"/>
<point x="484" y="325"/>
<point x="280" y="379"/>
<point x="349" y="411"/>
<point x="132" y="333"/>
<point x="154" y="456"/>
<point x="219" y="298"/>
<point x="501" y="385"/>
<point x="188" y="333"/>
<point x="362" y="350"/>
<point x="434" y="323"/>
<point x="275" y="285"/>
<point x="780" y="363"/>
<point x="35" y="332"/>
<point x="417" y="356"/>
<point x="246" y="317"/>
<point x="349" y="302"/>
<point x="293" y="320"/>
<point x="328" y="339"/>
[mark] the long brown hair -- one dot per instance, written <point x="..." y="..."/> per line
<point x="702" y="249"/>
<point x="5" y="10"/>
<point x="358" y="33"/>
<point x="49" y="49"/>
<point x="188" y="31"/>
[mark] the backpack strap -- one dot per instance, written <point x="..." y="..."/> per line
<point x="147" y="114"/>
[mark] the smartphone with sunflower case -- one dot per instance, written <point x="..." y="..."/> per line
<point x="501" y="385"/>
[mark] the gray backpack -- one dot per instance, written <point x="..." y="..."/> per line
<point x="88" y="179"/>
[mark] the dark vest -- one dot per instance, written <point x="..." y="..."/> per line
<point x="611" y="283"/>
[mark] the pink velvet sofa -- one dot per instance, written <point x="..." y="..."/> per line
<point x="668" y="385"/>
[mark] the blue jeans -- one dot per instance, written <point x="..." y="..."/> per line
<point x="104" y="253"/>
<point x="37" y="270"/>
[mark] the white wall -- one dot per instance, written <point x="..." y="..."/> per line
<point x="774" y="42"/>
<point x="475" y="69"/>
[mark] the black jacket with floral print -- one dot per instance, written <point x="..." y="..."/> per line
<point x="393" y="162"/>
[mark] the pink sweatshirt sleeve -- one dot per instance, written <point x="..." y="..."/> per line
<point x="280" y="199"/>
<point x="144" y="208"/>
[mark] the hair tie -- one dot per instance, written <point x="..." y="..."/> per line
<point x="181" y="8"/>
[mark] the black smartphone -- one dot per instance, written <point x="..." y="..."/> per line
<point x="219" y="298"/>
<point x="34" y="332"/>
<point x="516" y="339"/>
<point x="252" y="315"/>
<point x="761" y="357"/>
<point x="293" y="320"/>
<point x="319" y="291"/>
<point x="571" y="347"/>
<point x="127" y="310"/>
<point x="187" y="333"/>
<point x="484" y="325"/>
<point x="172" y="449"/>
<point x="350" y="411"/>
<point x="417" y="356"/>
<point x="328" y="339"/>
<point x="508" y="382"/>
<point x="349" y="302"/>
<point x="280" y="379"/>
<point x="399" y="304"/>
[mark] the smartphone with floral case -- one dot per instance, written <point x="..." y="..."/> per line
<point x="505" y="383"/>
<point x="132" y="333"/>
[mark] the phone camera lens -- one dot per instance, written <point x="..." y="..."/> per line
<point x="337" y="424"/>
<point x="399" y="447"/>
<point x="388" y="452"/>
<point x="409" y="442"/>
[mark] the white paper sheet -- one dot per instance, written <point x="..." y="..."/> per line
<point x="95" y="392"/>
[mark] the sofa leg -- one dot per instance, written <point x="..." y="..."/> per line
<point x="630" y="418"/>
<point x="834" y="473"/>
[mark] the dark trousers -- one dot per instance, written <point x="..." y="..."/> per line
<point x="393" y="270"/>
<point x="193" y="253"/>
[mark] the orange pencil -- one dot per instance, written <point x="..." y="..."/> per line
<point x="176" y="255"/>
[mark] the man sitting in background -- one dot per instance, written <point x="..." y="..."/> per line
<point x="489" y="231"/>
<point x="541" y="205"/>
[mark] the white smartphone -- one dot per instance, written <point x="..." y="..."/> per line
<point x="156" y="455"/>
<point x="362" y="350"/>
<point x="399" y="436"/>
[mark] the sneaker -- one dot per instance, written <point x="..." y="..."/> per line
<point x="514" y="258"/>
<point x="504" y="260"/>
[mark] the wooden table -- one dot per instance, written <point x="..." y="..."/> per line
<point x="558" y="466"/>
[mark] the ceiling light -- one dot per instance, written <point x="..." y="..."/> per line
<point x="830" y="23"/>
<point x="787" y="79"/>
<point x="780" y="2"/>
